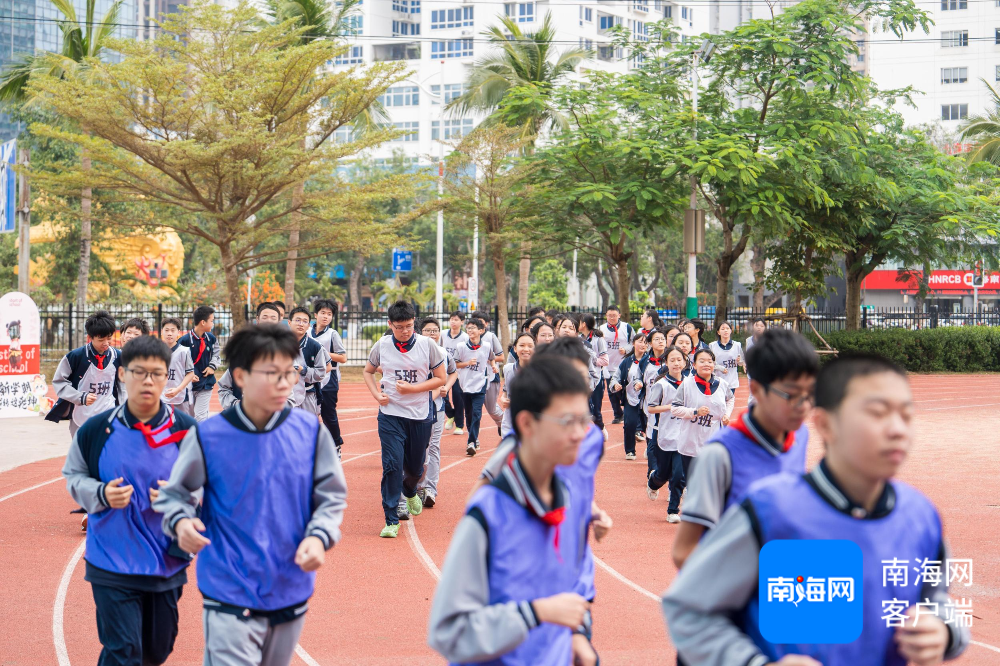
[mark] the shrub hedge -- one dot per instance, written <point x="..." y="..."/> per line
<point x="944" y="349"/>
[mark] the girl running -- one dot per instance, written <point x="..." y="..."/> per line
<point x="684" y="342"/>
<point x="671" y="332"/>
<point x="628" y="375"/>
<point x="524" y="347"/>
<point x="757" y="328"/>
<point x="543" y="333"/>
<point x="695" y="328"/>
<point x="660" y="401"/>
<point x="649" y="320"/>
<point x="728" y="357"/>
<point x="593" y="339"/>
<point x="650" y="370"/>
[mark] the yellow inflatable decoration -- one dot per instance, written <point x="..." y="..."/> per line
<point x="154" y="261"/>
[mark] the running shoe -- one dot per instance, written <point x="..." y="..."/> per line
<point x="617" y="420"/>
<point x="83" y="523"/>
<point x="458" y="431"/>
<point x="390" y="531"/>
<point x="641" y="436"/>
<point x="428" y="500"/>
<point x="401" y="511"/>
<point x="414" y="505"/>
<point x="470" y="449"/>
<point x="629" y="456"/>
<point x="673" y="518"/>
<point x="650" y="493"/>
<point x="605" y="431"/>
<point x="449" y="424"/>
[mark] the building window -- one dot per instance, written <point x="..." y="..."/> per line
<point x="952" y="5"/>
<point x="353" y="56"/>
<point x="406" y="6"/>
<point x="452" y="91"/>
<point x="587" y="15"/>
<point x="451" y="18"/>
<point x="996" y="36"/>
<point x="668" y="11"/>
<point x="401" y="96"/>
<point x="343" y="134"/>
<point x="954" y="74"/>
<point x="453" y="48"/>
<point x="354" y="24"/>
<point x="606" y="53"/>
<point x="587" y="44"/>
<point x="412" y="127"/>
<point x="997" y="73"/>
<point x="453" y="129"/>
<point x="639" y="32"/>
<point x="954" y="111"/>
<point x="606" y="22"/>
<point x="953" y="38"/>
<point x="522" y="12"/>
<point x="402" y="28"/>
<point x="640" y="5"/>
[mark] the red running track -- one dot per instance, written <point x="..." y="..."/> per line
<point x="373" y="595"/>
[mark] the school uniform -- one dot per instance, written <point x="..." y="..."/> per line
<point x="749" y="343"/>
<point x="693" y="430"/>
<point x="712" y="606"/>
<point x="509" y="372"/>
<point x="229" y="393"/>
<point x="265" y="490"/>
<point x="405" y="424"/>
<point x="181" y="364"/>
<point x="481" y="611"/>
<point x="205" y="353"/>
<point x="628" y="374"/>
<point x="597" y="347"/>
<point x="732" y="460"/>
<point x="728" y="359"/>
<point x="329" y="339"/>
<point x="455" y="405"/>
<point x="80" y="373"/>
<point x="490" y="406"/>
<point x="475" y="381"/>
<point x="665" y="425"/>
<point x="432" y="462"/>
<point x="650" y="368"/>
<point x="311" y="360"/>
<point x="135" y="571"/>
<point x="617" y="339"/>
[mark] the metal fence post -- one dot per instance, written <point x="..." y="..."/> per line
<point x="336" y="317"/>
<point x="934" y="316"/>
<point x="69" y="332"/>
<point x="496" y="318"/>
<point x="864" y="318"/>
<point x="159" y="317"/>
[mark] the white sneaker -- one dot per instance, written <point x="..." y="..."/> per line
<point x="458" y="431"/>
<point x="645" y="454"/>
<point x="470" y="449"/>
<point x="605" y="431"/>
<point x="629" y="456"/>
<point x="650" y="493"/>
<point x="673" y="518"/>
<point x="402" y="512"/>
<point x="449" y="424"/>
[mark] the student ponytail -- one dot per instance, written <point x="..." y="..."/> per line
<point x="590" y="321"/>
<point x="655" y="316"/>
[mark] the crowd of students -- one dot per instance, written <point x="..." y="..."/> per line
<point x="258" y="492"/>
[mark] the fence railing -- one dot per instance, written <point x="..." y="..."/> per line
<point x="63" y="325"/>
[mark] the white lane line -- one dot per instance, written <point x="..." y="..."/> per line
<point x="20" y="492"/>
<point x="986" y="645"/>
<point x="305" y="656"/>
<point x="58" y="638"/>
<point x="418" y="550"/>
<point x="361" y="455"/>
<point x="635" y="586"/>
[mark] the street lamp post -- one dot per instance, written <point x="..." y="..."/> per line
<point x="694" y="219"/>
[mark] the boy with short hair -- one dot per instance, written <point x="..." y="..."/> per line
<point x="329" y="338"/>
<point x="427" y="488"/>
<point x="274" y="499"/>
<point x="770" y="437"/>
<point x="229" y="393"/>
<point x="281" y="312"/>
<point x="475" y="360"/>
<point x="130" y="330"/>
<point x="617" y="334"/>
<point x="405" y="416"/>
<point x="508" y="588"/>
<point x="454" y="407"/>
<point x="180" y="372"/>
<point x="116" y="464"/>
<point x="311" y="363"/>
<point x="86" y="377"/>
<point x="864" y="410"/>
<point x="205" y="355"/>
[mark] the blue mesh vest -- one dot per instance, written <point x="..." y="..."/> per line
<point x="258" y="501"/>
<point x="787" y="507"/>
<point x="750" y="462"/>
<point x="524" y="565"/>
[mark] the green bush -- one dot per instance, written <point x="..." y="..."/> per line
<point x="945" y="349"/>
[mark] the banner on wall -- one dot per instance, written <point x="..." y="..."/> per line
<point x="22" y="386"/>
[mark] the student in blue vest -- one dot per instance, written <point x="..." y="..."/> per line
<point x="86" y="378"/>
<point x="508" y="588"/>
<point x="864" y="411"/>
<point x="406" y="411"/>
<point x="768" y="438"/>
<point x="274" y="499"/>
<point x="205" y="355"/>
<point x="312" y="363"/>
<point x="115" y="467"/>
<point x="229" y="393"/>
<point x="325" y="334"/>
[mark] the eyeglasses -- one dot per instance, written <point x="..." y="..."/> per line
<point x="796" y="400"/>
<point x="141" y="374"/>
<point x="567" y="421"/>
<point x="274" y="376"/>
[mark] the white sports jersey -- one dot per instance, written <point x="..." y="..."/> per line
<point x="329" y="338"/>
<point x="490" y="339"/>
<point x="509" y="372"/>
<point x="727" y="360"/>
<point x="473" y="378"/>
<point x="631" y="392"/>
<point x="692" y="433"/>
<point x="596" y="347"/>
<point x="664" y="392"/>
<point x="450" y="369"/>
<point x="617" y="340"/>
<point x="102" y="384"/>
<point x="450" y="343"/>
<point x="419" y="359"/>
<point x="180" y="365"/>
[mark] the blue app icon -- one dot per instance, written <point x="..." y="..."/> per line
<point x="810" y="591"/>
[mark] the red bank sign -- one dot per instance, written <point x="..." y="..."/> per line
<point x="955" y="282"/>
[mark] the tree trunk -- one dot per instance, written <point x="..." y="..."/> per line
<point x="524" y="277"/>
<point x="854" y="275"/>
<point x="624" y="281"/>
<point x="237" y="297"/>
<point x="293" y="245"/>
<point x="500" y="276"/>
<point x="758" y="265"/>
<point x="722" y="290"/>
<point x="83" y="276"/>
<point x="601" y="290"/>
<point x="923" y="287"/>
<point x="354" y="283"/>
<point x="613" y="282"/>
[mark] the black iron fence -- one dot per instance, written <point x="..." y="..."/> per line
<point x="63" y="325"/>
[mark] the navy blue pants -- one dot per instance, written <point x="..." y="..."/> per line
<point x="615" y="398"/>
<point x="454" y="406"/>
<point x="651" y="449"/>
<point x="597" y="404"/>
<point x="671" y="467"/>
<point x="328" y="412"/>
<point x="136" y="628"/>
<point x="632" y="424"/>
<point x="404" y="445"/>
<point x="474" y="412"/>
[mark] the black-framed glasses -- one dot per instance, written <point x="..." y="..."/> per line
<point x="274" y="376"/>
<point x="567" y="421"/>
<point x="796" y="400"/>
<point x="141" y="374"/>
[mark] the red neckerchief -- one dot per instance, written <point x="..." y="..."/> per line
<point x="404" y="347"/>
<point x="655" y="361"/>
<point x="740" y="425"/>
<point x="706" y="386"/>
<point x="100" y="358"/>
<point x="615" y="329"/>
<point x="154" y="435"/>
<point x="201" y="346"/>
<point x="646" y="333"/>
<point x="552" y="518"/>
<point x="475" y="347"/>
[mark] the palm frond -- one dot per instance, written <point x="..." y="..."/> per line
<point x="106" y="30"/>
<point x="15" y="77"/>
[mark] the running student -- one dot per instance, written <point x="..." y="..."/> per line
<point x="205" y="355"/>
<point x="617" y="334"/>
<point x="229" y="393"/>
<point x="85" y="379"/>
<point x="659" y="400"/>
<point x="180" y="372"/>
<point x="728" y="357"/>
<point x="700" y="404"/>
<point x="769" y="438"/>
<point x="650" y="368"/>
<point x="649" y="320"/>
<point x="281" y="312"/>
<point x="405" y="414"/>
<point x="475" y="360"/>
<point x="864" y="411"/>
<point x="628" y="375"/>
<point x="684" y="342"/>
<point x="115" y="467"/>
<point x="594" y="340"/>
<point x="524" y="347"/>
<point x="508" y="589"/>
<point x="543" y="332"/>
<point x="328" y="337"/>
<point x="454" y="406"/>
<point x="274" y="499"/>
<point x="427" y="488"/>
<point x="696" y="329"/>
<point x="757" y="328"/>
<point x="312" y="363"/>
<point x="491" y="340"/>
<point x="130" y="330"/>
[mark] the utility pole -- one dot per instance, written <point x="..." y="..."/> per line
<point x="439" y="270"/>
<point x="694" y="219"/>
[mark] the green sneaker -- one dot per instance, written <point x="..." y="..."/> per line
<point x="414" y="505"/>
<point x="390" y="531"/>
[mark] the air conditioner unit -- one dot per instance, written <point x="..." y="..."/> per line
<point x="466" y="33"/>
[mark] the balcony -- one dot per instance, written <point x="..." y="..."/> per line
<point x="404" y="51"/>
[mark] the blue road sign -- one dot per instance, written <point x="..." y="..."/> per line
<point x="402" y="261"/>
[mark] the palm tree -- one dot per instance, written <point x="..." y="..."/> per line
<point x="524" y="59"/>
<point x="80" y="41"/>
<point x="984" y="130"/>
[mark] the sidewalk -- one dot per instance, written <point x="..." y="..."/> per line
<point x="29" y="439"/>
